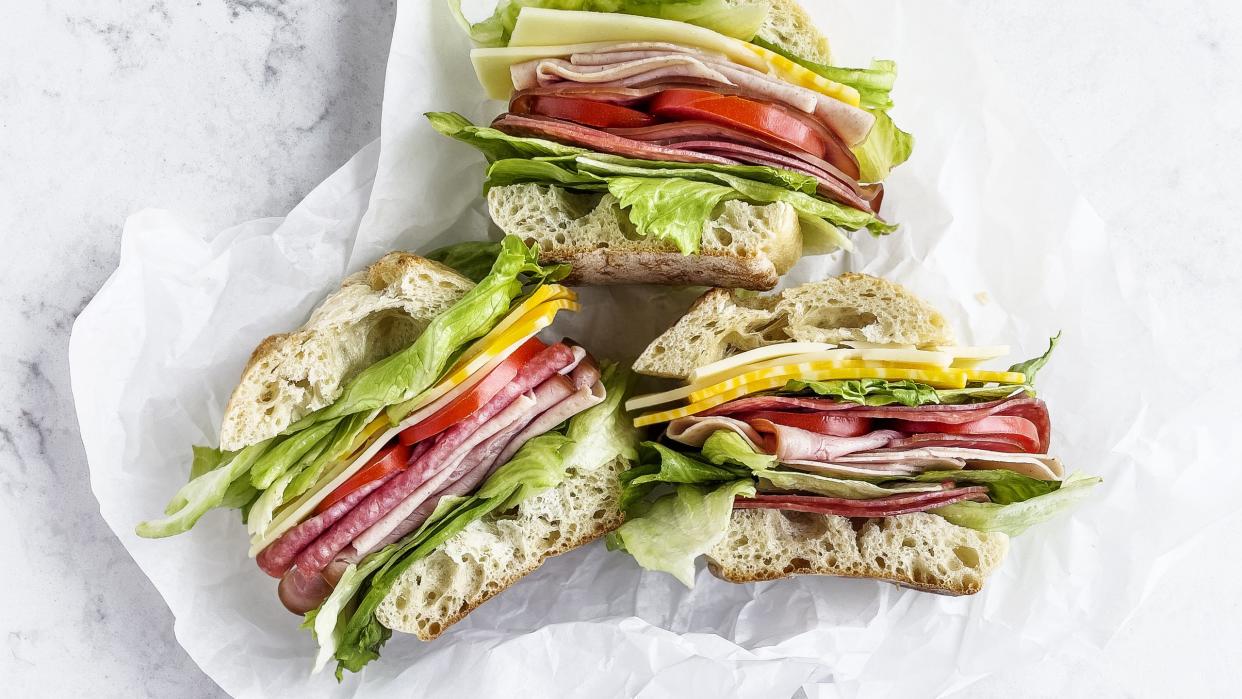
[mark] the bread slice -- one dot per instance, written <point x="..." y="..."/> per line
<point x="919" y="550"/>
<point x="790" y="27"/>
<point x="744" y="245"/>
<point x="851" y="306"/>
<point x="494" y="552"/>
<point x="375" y="313"/>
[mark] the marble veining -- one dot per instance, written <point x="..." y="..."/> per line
<point x="227" y="110"/>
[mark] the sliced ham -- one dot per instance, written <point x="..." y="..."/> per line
<point x="444" y="454"/>
<point x="794" y="444"/>
<point x="579" y="401"/>
<point x="879" y="507"/>
<point x="1039" y="466"/>
<point x="828" y="186"/>
<point x="597" y="140"/>
<point x="694" y="430"/>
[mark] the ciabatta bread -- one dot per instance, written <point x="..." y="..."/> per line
<point x="920" y="550"/>
<point x="848" y="307"/>
<point x="790" y="27"/>
<point x="744" y="246"/>
<point x="494" y="552"/>
<point x="375" y="313"/>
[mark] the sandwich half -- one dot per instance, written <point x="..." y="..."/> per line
<point x="837" y="429"/>
<point x="688" y="143"/>
<point x="415" y="448"/>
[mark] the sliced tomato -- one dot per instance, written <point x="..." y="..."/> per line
<point x="823" y="423"/>
<point x="1018" y="429"/>
<point x="771" y="121"/>
<point x="391" y="458"/>
<point x="475" y="398"/>
<point x="601" y="115"/>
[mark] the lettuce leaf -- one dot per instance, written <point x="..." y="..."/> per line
<point x="495" y="144"/>
<point x="873" y="84"/>
<point x="341" y="444"/>
<point x="1015" y="518"/>
<point x="472" y="259"/>
<point x="287" y="451"/>
<point x="668" y="208"/>
<point x="592" y="438"/>
<point x="885" y="147"/>
<point x="837" y="487"/>
<point x="905" y="392"/>
<point x="659" y="464"/>
<point x="737" y="20"/>
<point x="1032" y="366"/>
<point x="206" y="491"/>
<point x="725" y="447"/>
<point x="680" y="527"/>
<point x="1004" y="486"/>
<point x="401" y="377"/>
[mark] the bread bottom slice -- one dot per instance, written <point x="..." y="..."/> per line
<point x="744" y="246"/>
<point x="494" y="552"/>
<point x="919" y="550"/>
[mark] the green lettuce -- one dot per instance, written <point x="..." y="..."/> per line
<point x="205" y="492"/>
<point x="884" y="148"/>
<point x="726" y="447"/>
<point x="1032" y="366"/>
<point x="591" y="438"/>
<point x="1004" y="486"/>
<point x="495" y="144"/>
<point x="680" y="527"/>
<point x="340" y="445"/>
<point x="473" y="259"/>
<point x="659" y="464"/>
<point x="665" y="200"/>
<point x="838" y="487"/>
<point x="905" y="392"/>
<point x="1015" y="518"/>
<point x="400" y="377"/>
<point x="737" y="20"/>
<point x="287" y="451"/>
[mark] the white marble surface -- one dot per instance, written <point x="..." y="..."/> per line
<point x="226" y="111"/>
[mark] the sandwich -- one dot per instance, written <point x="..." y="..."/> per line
<point x="691" y="143"/>
<point x="415" y="448"/>
<point x="837" y="429"/>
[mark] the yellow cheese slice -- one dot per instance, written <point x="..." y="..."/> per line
<point x="982" y="376"/>
<point x="650" y="399"/>
<point x="937" y="378"/>
<point x="545" y="293"/>
<point x="759" y="354"/>
<point x="559" y="33"/>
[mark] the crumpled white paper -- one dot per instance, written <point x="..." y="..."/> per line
<point x="992" y="234"/>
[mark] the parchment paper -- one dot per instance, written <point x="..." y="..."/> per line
<point x="992" y="233"/>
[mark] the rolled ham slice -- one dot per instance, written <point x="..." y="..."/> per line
<point x="694" y="430"/>
<point x="795" y="444"/>
<point x="1039" y="466"/>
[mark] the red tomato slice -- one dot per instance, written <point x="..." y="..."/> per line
<point x="1017" y="428"/>
<point x="767" y="120"/>
<point x="601" y="115"/>
<point x="823" y="423"/>
<point x="473" y="399"/>
<point x="393" y="457"/>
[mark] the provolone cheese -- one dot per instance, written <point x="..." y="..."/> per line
<point x="759" y="354"/>
<point x="543" y="33"/>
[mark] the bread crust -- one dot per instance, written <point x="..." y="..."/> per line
<point x="291" y="374"/>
